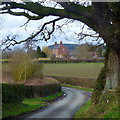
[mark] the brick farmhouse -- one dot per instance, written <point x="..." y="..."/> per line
<point x="60" y="51"/>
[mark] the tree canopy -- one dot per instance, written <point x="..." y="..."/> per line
<point x="102" y="17"/>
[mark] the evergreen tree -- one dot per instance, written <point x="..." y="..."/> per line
<point x="43" y="54"/>
<point x="39" y="52"/>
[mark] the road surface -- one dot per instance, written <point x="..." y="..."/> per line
<point x="62" y="108"/>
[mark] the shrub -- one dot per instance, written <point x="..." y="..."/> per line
<point x="37" y="70"/>
<point x="23" y="68"/>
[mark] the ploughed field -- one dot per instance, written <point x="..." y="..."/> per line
<point x="80" y="70"/>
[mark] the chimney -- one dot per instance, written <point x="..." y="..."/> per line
<point x="55" y="44"/>
<point x="60" y="42"/>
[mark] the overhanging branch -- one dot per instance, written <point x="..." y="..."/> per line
<point x="12" y="41"/>
<point x="72" y="11"/>
<point x="23" y="14"/>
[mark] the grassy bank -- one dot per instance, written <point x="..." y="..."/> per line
<point x="106" y="108"/>
<point x="79" y="113"/>
<point x="14" y="109"/>
<point x="81" y="88"/>
<point x="27" y="105"/>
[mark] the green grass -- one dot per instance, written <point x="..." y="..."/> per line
<point x="14" y="109"/>
<point x="33" y="101"/>
<point x="113" y="113"/>
<point x="52" y="97"/>
<point x="4" y="60"/>
<point x="106" y="108"/>
<point x="42" y="100"/>
<point x="73" y="69"/>
<point x="27" y="105"/>
<point x="81" y="88"/>
<point x="79" y="113"/>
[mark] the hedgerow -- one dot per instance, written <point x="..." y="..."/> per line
<point x="12" y="93"/>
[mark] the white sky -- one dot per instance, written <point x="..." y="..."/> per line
<point x="11" y="25"/>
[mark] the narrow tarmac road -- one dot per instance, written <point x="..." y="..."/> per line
<point x="62" y="108"/>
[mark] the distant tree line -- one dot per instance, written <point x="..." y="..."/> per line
<point x="83" y="51"/>
<point x="38" y="53"/>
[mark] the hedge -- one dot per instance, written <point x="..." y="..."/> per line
<point x="66" y="61"/>
<point x="83" y="82"/>
<point x="12" y="93"/>
<point x="71" y="61"/>
<point x="42" y="91"/>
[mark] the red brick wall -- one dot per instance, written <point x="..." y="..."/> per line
<point x="62" y="50"/>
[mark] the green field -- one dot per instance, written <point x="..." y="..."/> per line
<point x="80" y="70"/>
<point x="73" y="69"/>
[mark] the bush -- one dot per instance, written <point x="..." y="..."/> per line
<point x="12" y="93"/>
<point x="23" y="68"/>
<point x="37" y="70"/>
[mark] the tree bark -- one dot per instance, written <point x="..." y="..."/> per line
<point x="113" y="71"/>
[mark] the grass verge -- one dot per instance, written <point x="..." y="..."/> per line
<point x="81" y="88"/>
<point x="27" y="105"/>
<point x="106" y="108"/>
<point x="79" y="113"/>
<point x="14" y="109"/>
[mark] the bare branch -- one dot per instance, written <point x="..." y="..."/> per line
<point x="23" y="14"/>
<point x="70" y="11"/>
<point x="11" y="41"/>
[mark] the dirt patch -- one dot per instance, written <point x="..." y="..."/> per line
<point x="44" y="81"/>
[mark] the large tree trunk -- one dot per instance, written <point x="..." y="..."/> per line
<point x="109" y="76"/>
<point x="112" y="73"/>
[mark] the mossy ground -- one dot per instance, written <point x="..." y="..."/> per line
<point x="106" y="108"/>
<point x="79" y="113"/>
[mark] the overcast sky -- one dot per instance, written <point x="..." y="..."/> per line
<point x="12" y="25"/>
